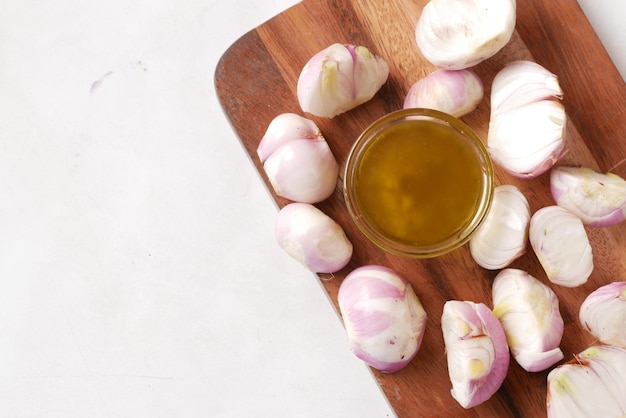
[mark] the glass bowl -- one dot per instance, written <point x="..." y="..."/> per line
<point x="418" y="182"/>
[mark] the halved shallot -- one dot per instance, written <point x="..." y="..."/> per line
<point x="603" y="314"/>
<point x="559" y="239"/>
<point x="597" y="199"/>
<point x="476" y="349"/>
<point x="503" y="235"/>
<point x="529" y="313"/>
<point x="593" y="385"/>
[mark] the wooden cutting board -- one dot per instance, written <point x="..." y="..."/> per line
<point x="256" y="80"/>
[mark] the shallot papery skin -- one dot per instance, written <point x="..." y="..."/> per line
<point x="503" y="235"/>
<point x="340" y="78"/>
<point x="597" y="199"/>
<point x="529" y="313"/>
<point x="454" y="92"/>
<point x="527" y="125"/>
<point x="560" y="241"/>
<point x="297" y="159"/>
<point x="454" y="35"/>
<point x="477" y="352"/>
<point x="603" y="314"/>
<point x="313" y="238"/>
<point x="383" y="317"/>
<point x="593" y="385"/>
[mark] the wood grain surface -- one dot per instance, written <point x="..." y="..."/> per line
<point x="256" y="80"/>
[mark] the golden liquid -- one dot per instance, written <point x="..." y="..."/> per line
<point x="419" y="183"/>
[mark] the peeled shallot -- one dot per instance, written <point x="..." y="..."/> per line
<point x="528" y="122"/>
<point x="455" y="34"/>
<point x="597" y="199"/>
<point x="603" y="314"/>
<point x="529" y="313"/>
<point x="383" y="317"/>
<point x="454" y="92"/>
<point x="503" y="235"/>
<point x="593" y="385"/>
<point x="477" y="351"/>
<point x="340" y="78"/>
<point x="560" y="241"/>
<point x="297" y="159"/>
<point x="311" y="237"/>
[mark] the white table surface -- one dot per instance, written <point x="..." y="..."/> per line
<point x="139" y="276"/>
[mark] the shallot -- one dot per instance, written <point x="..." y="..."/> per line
<point x="340" y="78"/>
<point x="597" y="199"/>
<point x="383" y="317"/>
<point x="297" y="159"/>
<point x="603" y="314"/>
<point x="527" y="125"/>
<point x="529" y="313"/>
<point x="503" y="235"/>
<point x="477" y="351"/>
<point x="594" y="385"/>
<point x="313" y="238"/>
<point x="454" y="92"/>
<point x="560" y="241"/>
<point x="454" y="34"/>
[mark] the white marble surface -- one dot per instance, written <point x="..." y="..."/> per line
<point x="138" y="272"/>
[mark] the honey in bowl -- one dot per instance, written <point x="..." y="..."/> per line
<point x="418" y="182"/>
